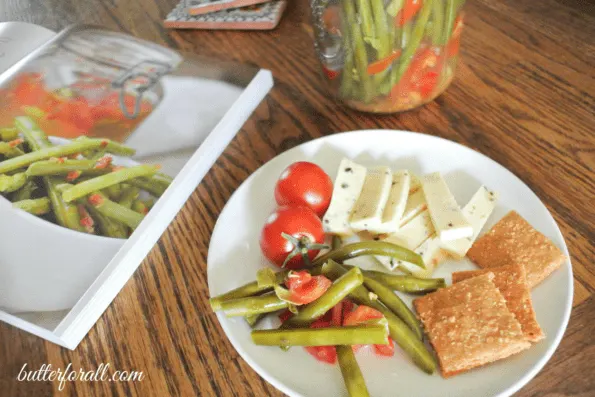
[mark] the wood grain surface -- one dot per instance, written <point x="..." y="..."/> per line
<point x="523" y="95"/>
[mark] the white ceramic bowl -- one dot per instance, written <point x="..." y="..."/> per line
<point x="46" y="267"/>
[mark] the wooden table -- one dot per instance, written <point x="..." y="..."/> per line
<point x="524" y="96"/>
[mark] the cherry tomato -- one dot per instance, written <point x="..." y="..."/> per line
<point x="325" y="354"/>
<point x="304" y="288"/>
<point x="303" y="236"/>
<point x="305" y="183"/>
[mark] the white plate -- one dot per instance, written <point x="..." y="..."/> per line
<point x="234" y="257"/>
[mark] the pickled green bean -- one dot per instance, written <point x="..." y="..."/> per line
<point x="8" y="134"/>
<point x="409" y="284"/>
<point x="11" y="183"/>
<point x="25" y="192"/>
<point x="114" y="210"/>
<point x="352" y="374"/>
<point x="395" y="304"/>
<point x="399" y="331"/>
<point x="107" y="226"/>
<point x="381" y="248"/>
<point x="38" y="206"/>
<point x="246" y="290"/>
<point x="342" y="287"/>
<point x="101" y="182"/>
<point x="252" y="305"/>
<point x="363" y="334"/>
<point x="253" y="319"/>
<point x="359" y="50"/>
<point x="46" y="153"/>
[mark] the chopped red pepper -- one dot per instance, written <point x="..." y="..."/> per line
<point x="95" y="199"/>
<point x="72" y="175"/>
<point x="383" y="64"/>
<point x="103" y="162"/>
<point x="15" y="142"/>
<point x="85" y="219"/>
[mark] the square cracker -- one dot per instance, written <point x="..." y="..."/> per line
<point x="511" y="280"/>
<point x="469" y="325"/>
<point x="514" y="241"/>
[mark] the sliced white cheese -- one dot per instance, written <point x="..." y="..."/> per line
<point x="477" y="212"/>
<point x="410" y="236"/>
<point x="368" y="209"/>
<point x="447" y="217"/>
<point x="397" y="201"/>
<point x="432" y="254"/>
<point x="415" y="183"/>
<point x="416" y="203"/>
<point x="348" y="186"/>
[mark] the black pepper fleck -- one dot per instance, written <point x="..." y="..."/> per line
<point x="326" y="221"/>
<point x="376" y="238"/>
<point x="450" y="224"/>
<point x="394" y="183"/>
<point x="344" y="185"/>
<point x="349" y="169"/>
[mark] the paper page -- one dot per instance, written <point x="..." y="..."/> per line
<point x="18" y="39"/>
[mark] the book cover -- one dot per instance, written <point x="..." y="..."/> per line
<point x="102" y="139"/>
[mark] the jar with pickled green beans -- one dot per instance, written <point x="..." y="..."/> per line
<point x="386" y="56"/>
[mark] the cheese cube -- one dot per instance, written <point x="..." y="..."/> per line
<point x="397" y="200"/>
<point x="447" y="217"/>
<point x="477" y="212"/>
<point x="348" y="186"/>
<point x="368" y="209"/>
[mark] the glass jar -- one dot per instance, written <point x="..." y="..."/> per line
<point x="386" y="56"/>
<point x="88" y="81"/>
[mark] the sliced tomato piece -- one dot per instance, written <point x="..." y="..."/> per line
<point x="337" y="315"/>
<point x="383" y="64"/>
<point x="326" y="354"/>
<point x="360" y="314"/>
<point x="297" y="279"/>
<point x="385" y="350"/>
<point x="305" y="293"/>
<point x="285" y="315"/>
<point x="452" y="48"/>
<point x="348" y="307"/>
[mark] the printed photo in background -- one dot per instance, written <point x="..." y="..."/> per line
<point x="95" y="126"/>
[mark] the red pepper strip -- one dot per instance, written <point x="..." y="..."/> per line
<point x="452" y="48"/>
<point x="409" y="10"/>
<point x="329" y="73"/>
<point x="383" y="64"/>
<point x="423" y="60"/>
<point x="428" y="83"/>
